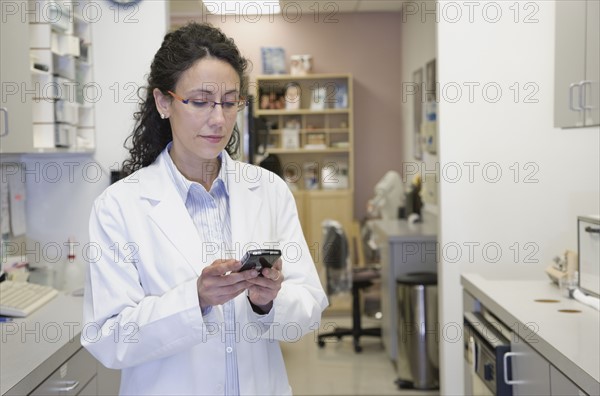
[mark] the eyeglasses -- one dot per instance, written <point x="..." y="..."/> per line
<point x="228" y="106"/>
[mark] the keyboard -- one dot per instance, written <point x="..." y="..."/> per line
<point x="19" y="299"/>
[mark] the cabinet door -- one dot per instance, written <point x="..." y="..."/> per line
<point x="569" y="62"/>
<point x="91" y="389"/>
<point x="530" y="371"/>
<point x="577" y="64"/>
<point x="15" y="77"/>
<point x="322" y="205"/>
<point x="560" y="385"/>
<point x="71" y="377"/>
<point x="109" y="380"/>
<point x="592" y="63"/>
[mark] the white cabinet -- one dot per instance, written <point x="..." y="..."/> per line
<point x="47" y="79"/>
<point x="71" y="378"/>
<point x="560" y="385"/>
<point x="16" y="115"/>
<point x="577" y="64"/>
<point x="530" y="371"/>
<point x="533" y="375"/>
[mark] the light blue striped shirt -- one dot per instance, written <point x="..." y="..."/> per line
<point x="209" y="211"/>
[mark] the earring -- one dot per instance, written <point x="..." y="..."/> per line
<point x="162" y="116"/>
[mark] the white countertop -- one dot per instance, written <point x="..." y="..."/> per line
<point x="402" y="230"/>
<point x="570" y="341"/>
<point x="35" y="345"/>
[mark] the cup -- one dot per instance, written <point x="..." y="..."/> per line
<point x="568" y="283"/>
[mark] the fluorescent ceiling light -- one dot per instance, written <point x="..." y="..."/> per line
<point x="242" y="7"/>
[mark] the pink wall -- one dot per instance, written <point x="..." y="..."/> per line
<point x="367" y="45"/>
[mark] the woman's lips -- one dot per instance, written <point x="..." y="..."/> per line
<point x="212" y="138"/>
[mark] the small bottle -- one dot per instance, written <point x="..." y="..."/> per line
<point x="73" y="271"/>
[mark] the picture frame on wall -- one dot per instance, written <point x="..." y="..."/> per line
<point x="431" y="83"/>
<point x="418" y="113"/>
<point x="273" y="60"/>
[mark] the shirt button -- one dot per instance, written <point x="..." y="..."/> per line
<point x="229" y="349"/>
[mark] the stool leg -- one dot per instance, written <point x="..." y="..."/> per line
<point x="356" y="325"/>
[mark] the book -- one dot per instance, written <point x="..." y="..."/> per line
<point x="341" y="97"/>
<point x="290" y="138"/>
<point x="310" y="175"/>
<point x="315" y="140"/>
<point x="273" y="60"/>
<point x="319" y="95"/>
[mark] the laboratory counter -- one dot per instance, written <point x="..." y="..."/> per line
<point x="565" y="332"/>
<point x="42" y="353"/>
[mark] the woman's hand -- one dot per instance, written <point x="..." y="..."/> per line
<point x="263" y="289"/>
<point x="220" y="282"/>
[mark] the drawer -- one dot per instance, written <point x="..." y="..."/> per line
<point x="91" y="389"/>
<point x="71" y="377"/>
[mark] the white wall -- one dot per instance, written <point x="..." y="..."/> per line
<point x="61" y="188"/>
<point x="125" y="41"/>
<point x="418" y="47"/>
<point x="537" y="220"/>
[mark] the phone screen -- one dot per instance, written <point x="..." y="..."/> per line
<point x="259" y="259"/>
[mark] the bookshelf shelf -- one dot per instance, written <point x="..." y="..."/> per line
<point x="311" y="130"/>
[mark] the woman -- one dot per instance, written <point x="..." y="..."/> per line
<point x="164" y="301"/>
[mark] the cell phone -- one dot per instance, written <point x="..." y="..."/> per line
<point x="259" y="259"/>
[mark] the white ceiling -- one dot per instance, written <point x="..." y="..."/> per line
<point x="195" y="7"/>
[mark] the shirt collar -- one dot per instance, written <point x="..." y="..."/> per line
<point x="183" y="185"/>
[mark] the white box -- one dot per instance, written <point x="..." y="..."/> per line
<point x="334" y="175"/>
<point x="65" y="135"/>
<point x="64" y="66"/>
<point x="65" y="44"/>
<point x="39" y="35"/>
<point x="43" y="111"/>
<point x="85" y="138"/>
<point x="42" y="56"/>
<point x="290" y="138"/>
<point x="86" y="116"/>
<point x="67" y="112"/>
<point x="43" y="136"/>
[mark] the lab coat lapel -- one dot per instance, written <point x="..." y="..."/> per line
<point x="244" y="203"/>
<point x="170" y="214"/>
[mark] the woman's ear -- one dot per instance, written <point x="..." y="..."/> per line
<point x="163" y="103"/>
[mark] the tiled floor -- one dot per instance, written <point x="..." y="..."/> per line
<point x="337" y="370"/>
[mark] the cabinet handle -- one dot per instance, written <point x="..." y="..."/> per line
<point x="5" y="111"/>
<point x="65" y="386"/>
<point x="592" y="230"/>
<point x="473" y="350"/>
<point x="582" y="92"/>
<point x="505" y="359"/>
<point x="571" y="89"/>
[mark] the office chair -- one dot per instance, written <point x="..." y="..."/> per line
<point x="341" y="276"/>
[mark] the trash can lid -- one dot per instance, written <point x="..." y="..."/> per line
<point x="418" y="278"/>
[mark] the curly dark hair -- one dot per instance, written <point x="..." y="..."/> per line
<point x="179" y="51"/>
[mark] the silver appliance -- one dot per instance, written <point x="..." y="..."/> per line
<point x="486" y="351"/>
<point x="588" y="241"/>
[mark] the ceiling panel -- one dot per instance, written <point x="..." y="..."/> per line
<point x="379" y="5"/>
<point x="310" y="6"/>
<point x="195" y="7"/>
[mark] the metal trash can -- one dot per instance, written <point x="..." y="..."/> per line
<point x="418" y="332"/>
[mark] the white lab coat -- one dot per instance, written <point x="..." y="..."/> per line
<point x="141" y="309"/>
